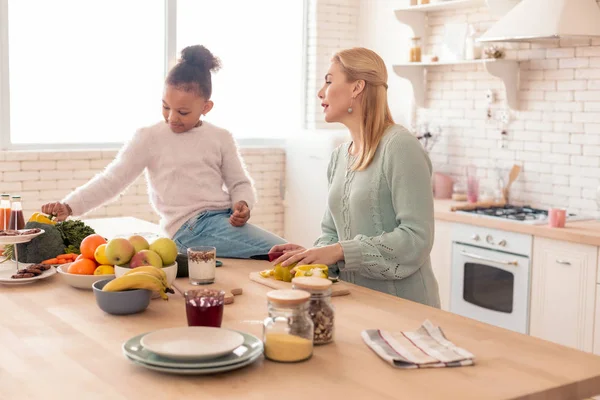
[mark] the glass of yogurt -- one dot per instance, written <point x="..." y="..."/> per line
<point x="202" y="265"/>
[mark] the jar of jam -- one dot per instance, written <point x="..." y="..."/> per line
<point x="415" y="50"/>
<point x="288" y="330"/>
<point x="320" y="309"/>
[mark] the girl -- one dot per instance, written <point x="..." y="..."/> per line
<point x="186" y="161"/>
<point x="379" y="224"/>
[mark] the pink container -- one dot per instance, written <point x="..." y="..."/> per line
<point x="557" y="217"/>
<point x="442" y="186"/>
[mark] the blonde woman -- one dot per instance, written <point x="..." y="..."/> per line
<point x="378" y="227"/>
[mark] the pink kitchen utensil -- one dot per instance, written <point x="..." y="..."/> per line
<point x="442" y="186"/>
<point x="557" y="217"/>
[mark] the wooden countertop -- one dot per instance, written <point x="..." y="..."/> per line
<point x="584" y="232"/>
<point x="56" y="343"/>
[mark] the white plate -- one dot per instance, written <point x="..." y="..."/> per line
<point x="196" y="371"/>
<point x="6" y="271"/>
<point x="192" y="343"/>
<point x="19" y="238"/>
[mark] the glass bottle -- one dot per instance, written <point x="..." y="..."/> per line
<point x="16" y="214"/>
<point x="288" y="330"/>
<point x="415" y="50"/>
<point x="320" y="309"/>
<point x="4" y="211"/>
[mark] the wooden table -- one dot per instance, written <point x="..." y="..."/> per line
<point x="56" y="343"/>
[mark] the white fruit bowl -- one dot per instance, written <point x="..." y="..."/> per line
<point x="170" y="270"/>
<point x="80" y="281"/>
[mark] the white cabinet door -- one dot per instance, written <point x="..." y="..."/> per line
<point x="563" y="292"/>
<point x="597" y="323"/>
<point x="441" y="260"/>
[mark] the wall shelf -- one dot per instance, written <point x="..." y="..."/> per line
<point x="506" y="70"/>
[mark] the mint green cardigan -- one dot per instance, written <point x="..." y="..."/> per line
<point x="383" y="218"/>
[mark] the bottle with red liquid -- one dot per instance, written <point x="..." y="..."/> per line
<point x="4" y="211"/>
<point x="204" y="307"/>
<point x="17" y="221"/>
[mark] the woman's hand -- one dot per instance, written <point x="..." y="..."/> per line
<point x="327" y="255"/>
<point x="241" y="214"/>
<point x="288" y="250"/>
<point x="60" y="210"/>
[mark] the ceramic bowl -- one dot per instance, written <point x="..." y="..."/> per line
<point x="121" y="303"/>
<point x="80" y="281"/>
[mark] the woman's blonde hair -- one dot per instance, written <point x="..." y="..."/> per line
<point x="363" y="64"/>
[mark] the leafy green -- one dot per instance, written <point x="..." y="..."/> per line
<point x="73" y="232"/>
<point x="72" y="249"/>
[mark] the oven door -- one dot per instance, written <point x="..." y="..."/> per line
<point x="490" y="286"/>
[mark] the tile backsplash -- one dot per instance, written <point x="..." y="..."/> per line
<point x="554" y="135"/>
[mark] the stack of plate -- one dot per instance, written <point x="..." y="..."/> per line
<point x="193" y="350"/>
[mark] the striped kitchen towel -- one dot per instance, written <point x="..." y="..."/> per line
<point x="427" y="347"/>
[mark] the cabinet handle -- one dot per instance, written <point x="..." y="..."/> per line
<point x="563" y="262"/>
<point x="476" y="257"/>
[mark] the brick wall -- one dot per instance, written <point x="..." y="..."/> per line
<point x="555" y="135"/>
<point x="41" y="177"/>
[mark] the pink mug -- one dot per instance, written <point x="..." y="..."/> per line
<point x="557" y="217"/>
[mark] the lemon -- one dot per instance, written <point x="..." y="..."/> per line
<point x="104" y="270"/>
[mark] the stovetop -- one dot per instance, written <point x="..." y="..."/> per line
<point x="522" y="214"/>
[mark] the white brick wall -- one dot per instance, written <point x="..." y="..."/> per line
<point x="41" y="177"/>
<point x="555" y="134"/>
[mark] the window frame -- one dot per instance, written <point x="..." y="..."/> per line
<point x="170" y="60"/>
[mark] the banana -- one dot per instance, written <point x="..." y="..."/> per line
<point x="136" y="281"/>
<point x="157" y="272"/>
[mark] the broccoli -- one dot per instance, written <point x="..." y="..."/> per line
<point x="43" y="247"/>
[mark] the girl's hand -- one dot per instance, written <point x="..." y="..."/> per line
<point x="59" y="210"/>
<point x="241" y="214"/>
<point x="327" y="255"/>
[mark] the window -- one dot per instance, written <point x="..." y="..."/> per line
<point x="258" y="92"/>
<point x="84" y="71"/>
<point x="81" y="73"/>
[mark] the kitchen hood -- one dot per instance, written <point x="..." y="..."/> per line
<point x="532" y="20"/>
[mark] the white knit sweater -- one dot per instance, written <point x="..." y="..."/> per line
<point x="187" y="173"/>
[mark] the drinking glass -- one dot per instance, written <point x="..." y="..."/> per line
<point x="202" y="265"/>
<point x="204" y="307"/>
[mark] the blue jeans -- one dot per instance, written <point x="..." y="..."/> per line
<point x="212" y="228"/>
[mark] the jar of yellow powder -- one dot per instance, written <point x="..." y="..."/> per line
<point x="288" y="330"/>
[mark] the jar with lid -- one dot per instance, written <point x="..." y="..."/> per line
<point x="4" y="211"/>
<point x="288" y="330"/>
<point x="415" y="50"/>
<point x="321" y="310"/>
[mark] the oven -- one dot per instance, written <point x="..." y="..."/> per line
<point x="490" y="279"/>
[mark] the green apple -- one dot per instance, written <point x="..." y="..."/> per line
<point x="139" y="243"/>
<point x="166" y="249"/>
<point x="146" y="257"/>
<point x="119" y="251"/>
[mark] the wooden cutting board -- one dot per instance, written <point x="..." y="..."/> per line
<point x="337" y="289"/>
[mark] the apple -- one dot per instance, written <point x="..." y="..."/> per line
<point x="166" y="249"/>
<point x="146" y="257"/>
<point x="139" y="243"/>
<point x="100" y="255"/>
<point x="119" y="251"/>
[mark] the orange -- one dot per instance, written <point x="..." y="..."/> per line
<point x="79" y="257"/>
<point x="90" y="244"/>
<point x="82" y="267"/>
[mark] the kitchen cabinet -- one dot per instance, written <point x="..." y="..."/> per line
<point x="563" y="292"/>
<point x="441" y="260"/>
<point x="597" y="323"/>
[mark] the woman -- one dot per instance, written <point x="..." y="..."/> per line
<point x="378" y="227"/>
<point x="187" y="162"/>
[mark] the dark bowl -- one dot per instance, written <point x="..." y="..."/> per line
<point x="121" y="303"/>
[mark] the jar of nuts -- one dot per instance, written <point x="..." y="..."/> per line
<point x="320" y="308"/>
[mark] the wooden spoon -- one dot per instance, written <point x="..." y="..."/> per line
<point x="512" y="176"/>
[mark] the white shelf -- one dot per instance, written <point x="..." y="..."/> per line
<point x="443" y="5"/>
<point x="506" y="70"/>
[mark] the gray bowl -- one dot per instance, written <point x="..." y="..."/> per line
<point x="121" y="303"/>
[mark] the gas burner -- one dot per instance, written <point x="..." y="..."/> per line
<point x="524" y="214"/>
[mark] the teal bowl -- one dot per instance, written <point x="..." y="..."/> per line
<point x="121" y="303"/>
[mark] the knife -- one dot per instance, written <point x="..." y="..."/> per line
<point x="267" y="257"/>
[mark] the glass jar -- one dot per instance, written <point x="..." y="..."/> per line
<point x="423" y="2"/>
<point x="4" y="211"/>
<point x="415" y="50"/>
<point x="288" y="330"/>
<point x="320" y="309"/>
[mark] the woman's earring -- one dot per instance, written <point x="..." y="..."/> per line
<point x="350" y="108"/>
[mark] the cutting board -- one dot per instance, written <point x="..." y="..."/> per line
<point x="337" y="289"/>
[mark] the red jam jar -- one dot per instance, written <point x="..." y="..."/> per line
<point x="204" y="307"/>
